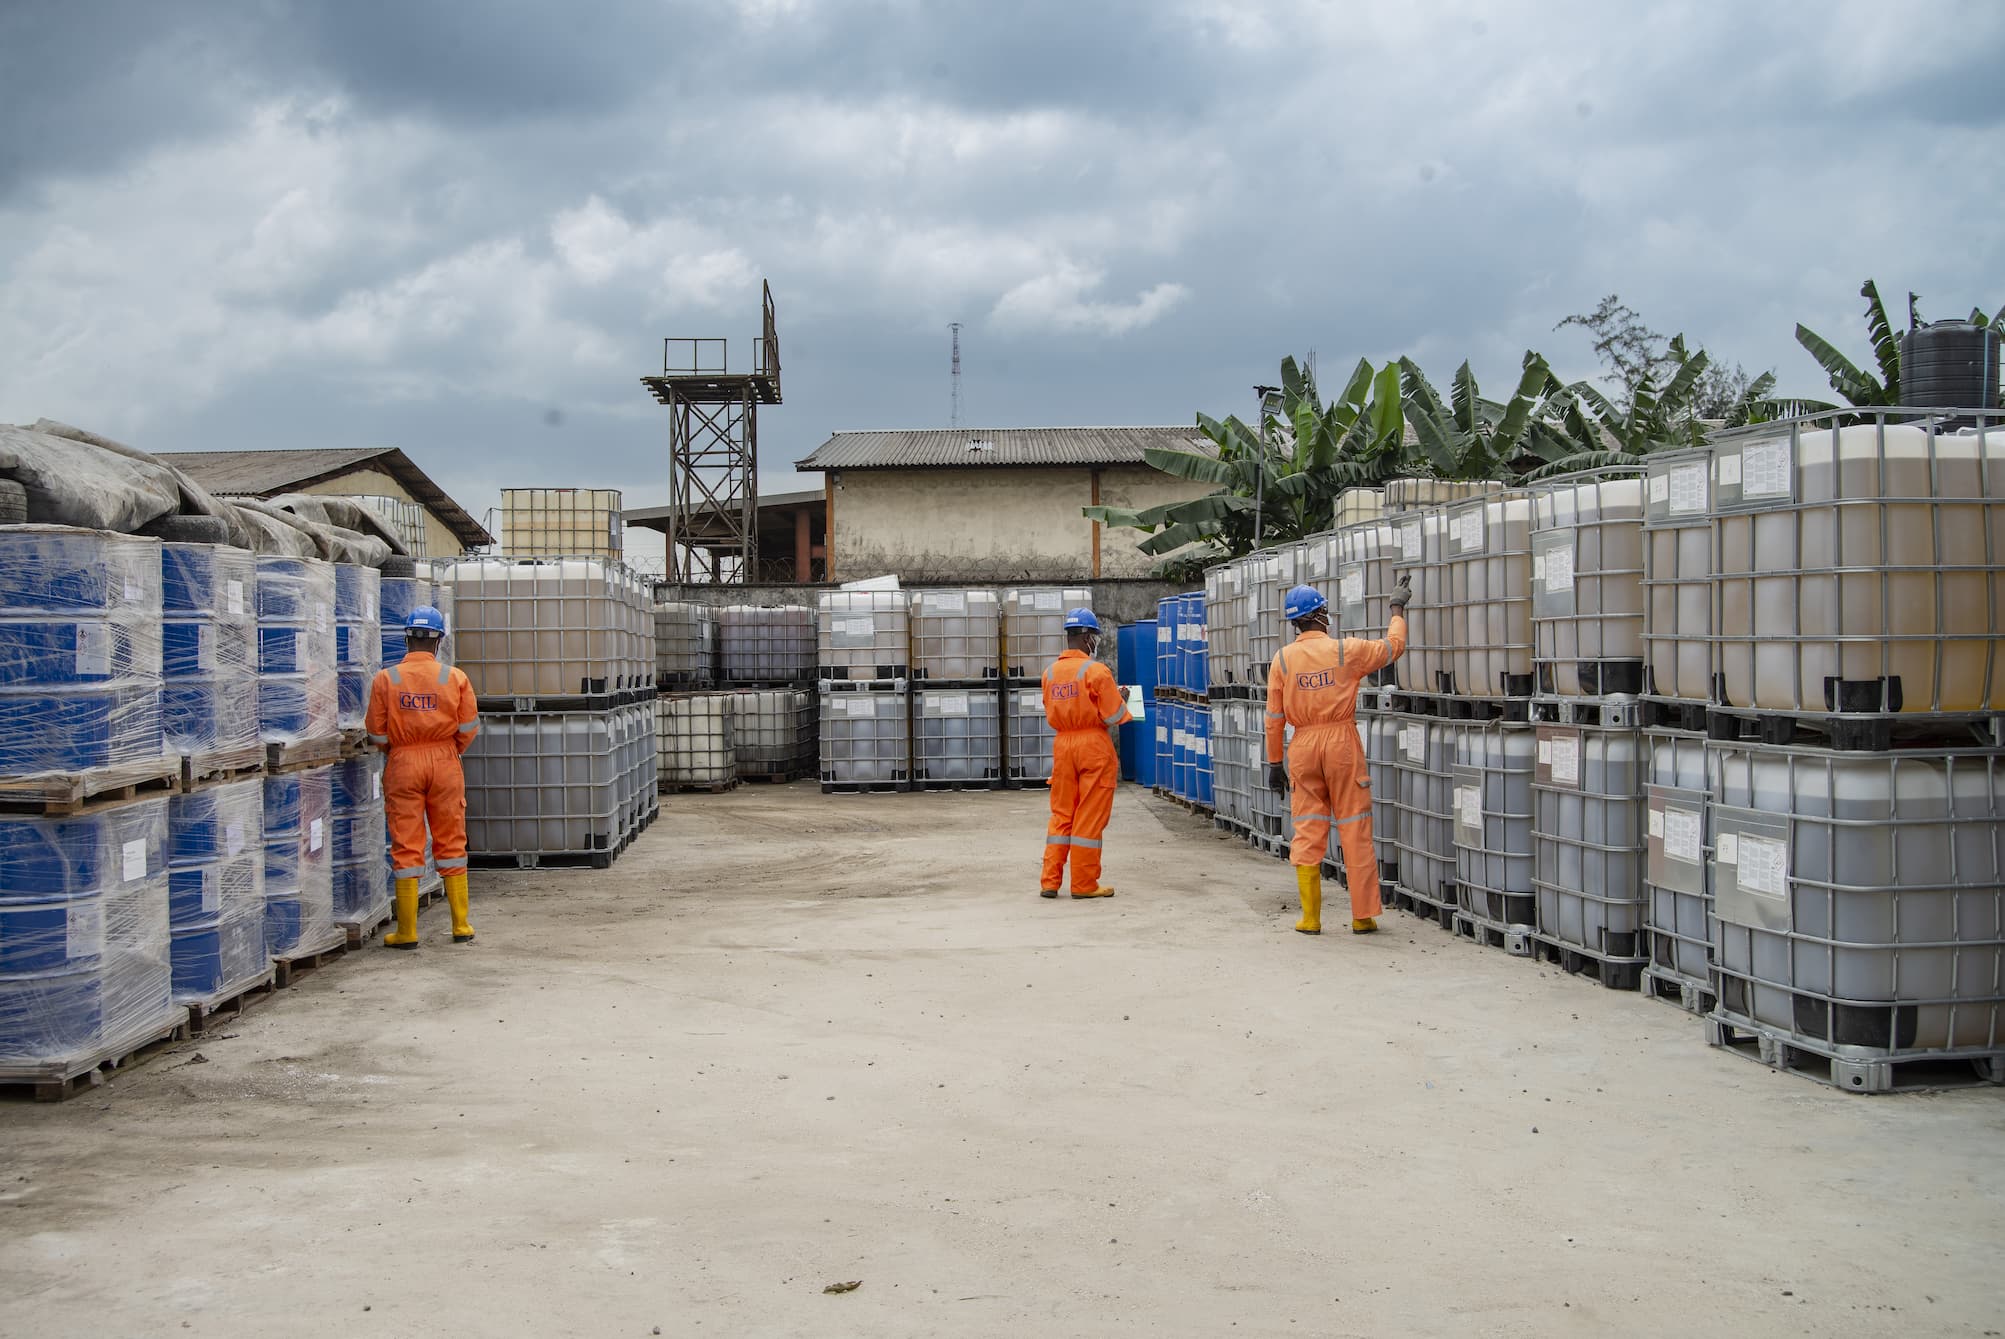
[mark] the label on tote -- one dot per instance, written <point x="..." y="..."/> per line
<point x="949" y="602"/>
<point x="316" y="834"/>
<point x="1469" y="807"/>
<point x="950" y="704"/>
<point x="233" y="839"/>
<point x="1688" y="487"/>
<point x="1729" y="470"/>
<point x="1565" y="760"/>
<point x="1409" y="541"/>
<point x="1764" y="866"/>
<point x="1413" y="742"/>
<point x="1764" y="469"/>
<point x="1353" y="587"/>
<point x="1559" y="568"/>
<point x="134" y="860"/>
<point x="233" y="598"/>
<point x="1681" y="832"/>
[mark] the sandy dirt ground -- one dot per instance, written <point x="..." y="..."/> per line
<point x="792" y="1040"/>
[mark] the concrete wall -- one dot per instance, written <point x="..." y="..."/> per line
<point x="439" y="538"/>
<point x="988" y="526"/>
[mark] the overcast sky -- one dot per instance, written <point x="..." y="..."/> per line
<point x="464" y="229"/>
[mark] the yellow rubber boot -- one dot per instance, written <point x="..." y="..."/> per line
<point x="1365" y="926"/>
<point x="406" y="934"/>
<point x="1309" y="882"/>
<point x="1101" y="890"/>
<point x="456" y="901"/>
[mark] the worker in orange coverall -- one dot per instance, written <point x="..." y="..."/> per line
<point x="1081" y="701"/>
<point x="423" y="714"/>
<point x="1313" y="686"/>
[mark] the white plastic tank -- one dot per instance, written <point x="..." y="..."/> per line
<point x="1678" y="612"/>
<point x="1422" y="804"/>
<point x="1365" y="557"/>
<point x="684" y="635"/>
<point x="759" y="646"/>
<point x="773" y="730"/>
<point x="1029" y="738"/>
<point x="1587" y="840"/>
<point x="866" y="739"/>
<point x="956" y="636"/>
<point x="1226" y="617"/>
<point x="694" y="739"/>
<point x="1422" y="560"/>
<point x="1860" y="567"/>
<point x="1677" y="882"/>
<point x="1381" y="742"/>
<point x="1492" y="783"/>
<point x="1033" y="626"/>
<point x="1235" y="744"/>
<point x="551" y="627"/>
<point x="1486" y="589"/>
<point x="1859" y="898"/>
<point x="543" y="783"/>
<point x="956" y="735"/>
<point x="1267" y="629"/>
<point x="1587" y="585"/>
<point x="863" y="635"/>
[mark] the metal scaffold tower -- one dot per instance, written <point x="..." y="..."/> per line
<point x="713" y="450"/>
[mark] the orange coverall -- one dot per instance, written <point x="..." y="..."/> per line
<point x="1313" y="686"/>
<point x="424" y="715"/>
<point x="1081" y="701"/>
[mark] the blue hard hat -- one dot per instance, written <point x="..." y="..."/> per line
<point x="1081" y="618"/>
<point x="1302" y="601"/>
<point x="426" y="619"/>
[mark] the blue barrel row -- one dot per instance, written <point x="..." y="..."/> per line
<point x="1182" y="652"/>
<point x="216" y="890"/>
<point x="84" y="955"/>
<point x="80" y="649"/>
<point x="358" y="640"/>
<point x="361" y="854"/>
<point x="1135" y="666"/>
<point x="298" y="684"/>
<point x="299" y="879"/>
<point x="1183" y="750"/>
<point x="209" y="662"/>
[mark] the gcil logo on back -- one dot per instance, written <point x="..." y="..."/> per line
<point x="1065" y="690"/>
<point x="1320" y="679"/>
<point x="418" y="701"/>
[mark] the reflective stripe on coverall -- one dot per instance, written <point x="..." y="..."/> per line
<point x="423" y="713"/>
<point x="1080" y="700"/>
<point x="1313" y="686"/>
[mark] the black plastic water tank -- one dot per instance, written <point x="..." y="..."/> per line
<point x="1950" y="365"/>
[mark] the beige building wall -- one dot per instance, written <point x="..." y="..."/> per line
<point x="1006" y="523"/>
<point x="440" y="541"/>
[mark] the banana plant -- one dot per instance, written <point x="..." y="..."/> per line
<point x="1861" y="389"/>
<point x="1295" y="463"/>
<point x="1474" y="438"/>
<point x="1593" y="432"/>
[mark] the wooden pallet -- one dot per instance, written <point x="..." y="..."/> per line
<point x="60" y="1080"/>
<point x="72" y="792"/>
<point x="302" y="754"/>
<point x="232" y="1000"/>
<point x="865" y="787"/>
<point x="362" y="931"/>
<point x="290" y="966"/>
<point x="777" y="778"/>
<point x="220" y="767"/>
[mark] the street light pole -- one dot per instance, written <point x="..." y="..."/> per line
<point x="1260" y="466"/>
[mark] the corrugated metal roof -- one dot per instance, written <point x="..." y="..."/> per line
<point x="259" y="473"/>
<point x="935" y="448"/>
<point x="264" y="474"/>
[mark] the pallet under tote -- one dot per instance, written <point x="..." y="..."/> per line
<point x="60" y="1080"/>
<point x="539" y="860"/>
<point x="302" y="754"/>
<point x="297" y="961"/>
<point x="72" y="792"/>
<point x="231" y="1001"/>
<point x="1908" y="1072"/>
<point x="219" y="767"/>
